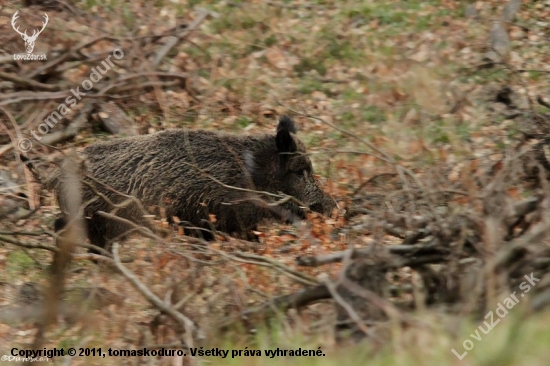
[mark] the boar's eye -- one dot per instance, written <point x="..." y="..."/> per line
<point x="300" y="167"/>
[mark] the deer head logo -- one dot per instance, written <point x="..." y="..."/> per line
<point x="29" y="40"/>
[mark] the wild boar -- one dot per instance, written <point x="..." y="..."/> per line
<point x="207" y="180"/>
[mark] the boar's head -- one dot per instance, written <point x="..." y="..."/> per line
<point x="284" y="166"/>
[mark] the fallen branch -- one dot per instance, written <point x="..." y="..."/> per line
<point x="432" y="252"/>
<point x="184" y="321"/>
<point x="28" y="83"/>
<point x="173" y="40"/>
<point x="279" y="304"/>
<point x="7" y="239"/>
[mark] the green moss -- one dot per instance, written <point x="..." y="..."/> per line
<point x="308" y="85"/>
<point x="347" y="116"/>
<point x="19" y="262"/>
<point x="270" y="41"/>
<point x="243" y="121"/>
<point x="307" y="64"/>
<point x="373" y="114"/>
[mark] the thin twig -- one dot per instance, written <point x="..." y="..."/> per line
<point x="183" y="320"/>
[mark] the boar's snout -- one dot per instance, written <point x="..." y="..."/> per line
<point x="325" y="206"/>
<point x="317" y="207"/>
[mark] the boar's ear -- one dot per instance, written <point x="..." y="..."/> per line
<point x="286" y="123"/>
<point x="285" y="142"/>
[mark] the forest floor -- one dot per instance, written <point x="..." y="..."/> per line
<point x="378" y="89"/>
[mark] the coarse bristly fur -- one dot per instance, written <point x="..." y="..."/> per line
<point x="194" y="174"/>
